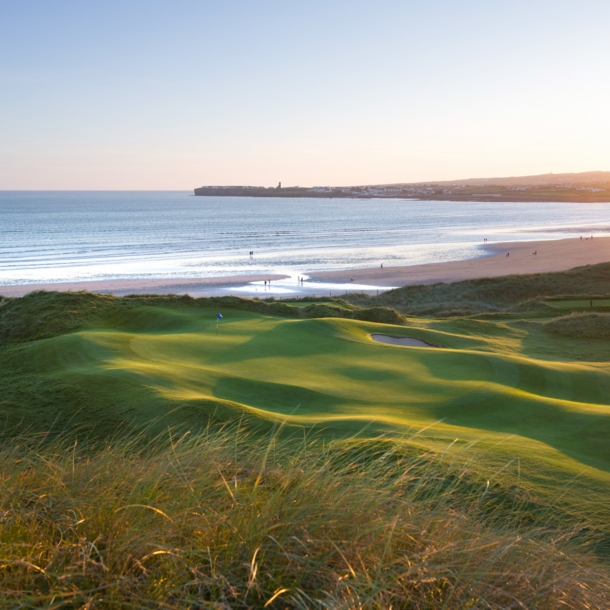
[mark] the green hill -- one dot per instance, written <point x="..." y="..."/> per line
<point x="112" y="362"/>
<point x="516" y="402"/>
<point x="510" y="293"/>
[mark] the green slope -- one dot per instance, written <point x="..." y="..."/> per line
<point x="500" y="383"/>
<point x="524" y="292"/>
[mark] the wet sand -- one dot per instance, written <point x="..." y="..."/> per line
<point x="195" y="286"/>
<point x="555" y="255"/>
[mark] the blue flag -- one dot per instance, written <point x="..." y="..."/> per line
<point x="219" y="315"/>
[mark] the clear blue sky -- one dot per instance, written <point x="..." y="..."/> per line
<point x="175" y="94"/>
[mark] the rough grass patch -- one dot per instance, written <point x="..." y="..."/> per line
<point x="223" y="520"/>
<point x="581" y="325"/>
<point x="521" y="293"/>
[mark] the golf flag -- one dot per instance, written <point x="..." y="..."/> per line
<point x="219" y="316"/>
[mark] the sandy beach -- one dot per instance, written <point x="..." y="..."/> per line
<point x="552" y="255"/>
<point x="210" y="285"/>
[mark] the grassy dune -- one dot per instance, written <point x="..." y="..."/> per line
<point x="509" y="385"/>
<point x="582" y="325"/>
<point x="225" y="519"/>
<point x="509" y="399"/>
<point x="527" y="292"/>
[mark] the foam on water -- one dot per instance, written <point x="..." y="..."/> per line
<point x="50" y="237"/>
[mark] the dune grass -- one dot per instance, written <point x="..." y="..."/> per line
<point x="41" y="314"/>
<point x="519" y="391"/>
<point x="581" y="326"/>
<point x="107" y="515"/>
<point x="524" y="292"/>
<point x="227" y="519"/>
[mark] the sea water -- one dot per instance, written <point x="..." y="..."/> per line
<point x="56" y="236"/>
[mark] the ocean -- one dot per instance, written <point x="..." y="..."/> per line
<point x="48" y="237"/>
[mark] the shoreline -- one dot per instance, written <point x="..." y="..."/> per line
<point x="488" y="198"/>
<point x="552" y="255"/>
<point x="147" y="286"/>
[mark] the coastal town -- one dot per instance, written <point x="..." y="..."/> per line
<point x="582" y="187"/>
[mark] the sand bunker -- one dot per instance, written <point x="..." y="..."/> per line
<point x="409" y="341"/>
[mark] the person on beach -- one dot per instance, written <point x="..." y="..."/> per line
<point x="382" y="265"/>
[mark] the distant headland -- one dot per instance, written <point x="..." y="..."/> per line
<point x="585" y="187"/>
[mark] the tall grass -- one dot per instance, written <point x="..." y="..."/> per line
<point x="224" y="519"/>
<point x="583" y="325"/>
<point x="520" y="293"/>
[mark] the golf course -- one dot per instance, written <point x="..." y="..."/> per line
<point x="515" y="396"/>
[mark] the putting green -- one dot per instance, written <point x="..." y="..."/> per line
<point x="499" y="383"/>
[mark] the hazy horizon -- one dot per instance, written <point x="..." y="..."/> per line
<point x="311" y="185"/>
<point x="170" y="96"/>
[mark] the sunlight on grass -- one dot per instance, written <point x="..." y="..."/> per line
<point x="227" y="519"/>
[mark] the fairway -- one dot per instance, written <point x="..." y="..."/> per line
<point x="578" y="304"/>
<point x="498" y="384"/>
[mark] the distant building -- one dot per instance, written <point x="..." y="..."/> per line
<point x="279" y="185"/>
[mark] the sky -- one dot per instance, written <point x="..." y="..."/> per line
<point x="161" y="94"/>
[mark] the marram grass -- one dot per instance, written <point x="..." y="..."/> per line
<point x="581" y="325"/>
<point x="227" y="519"/>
